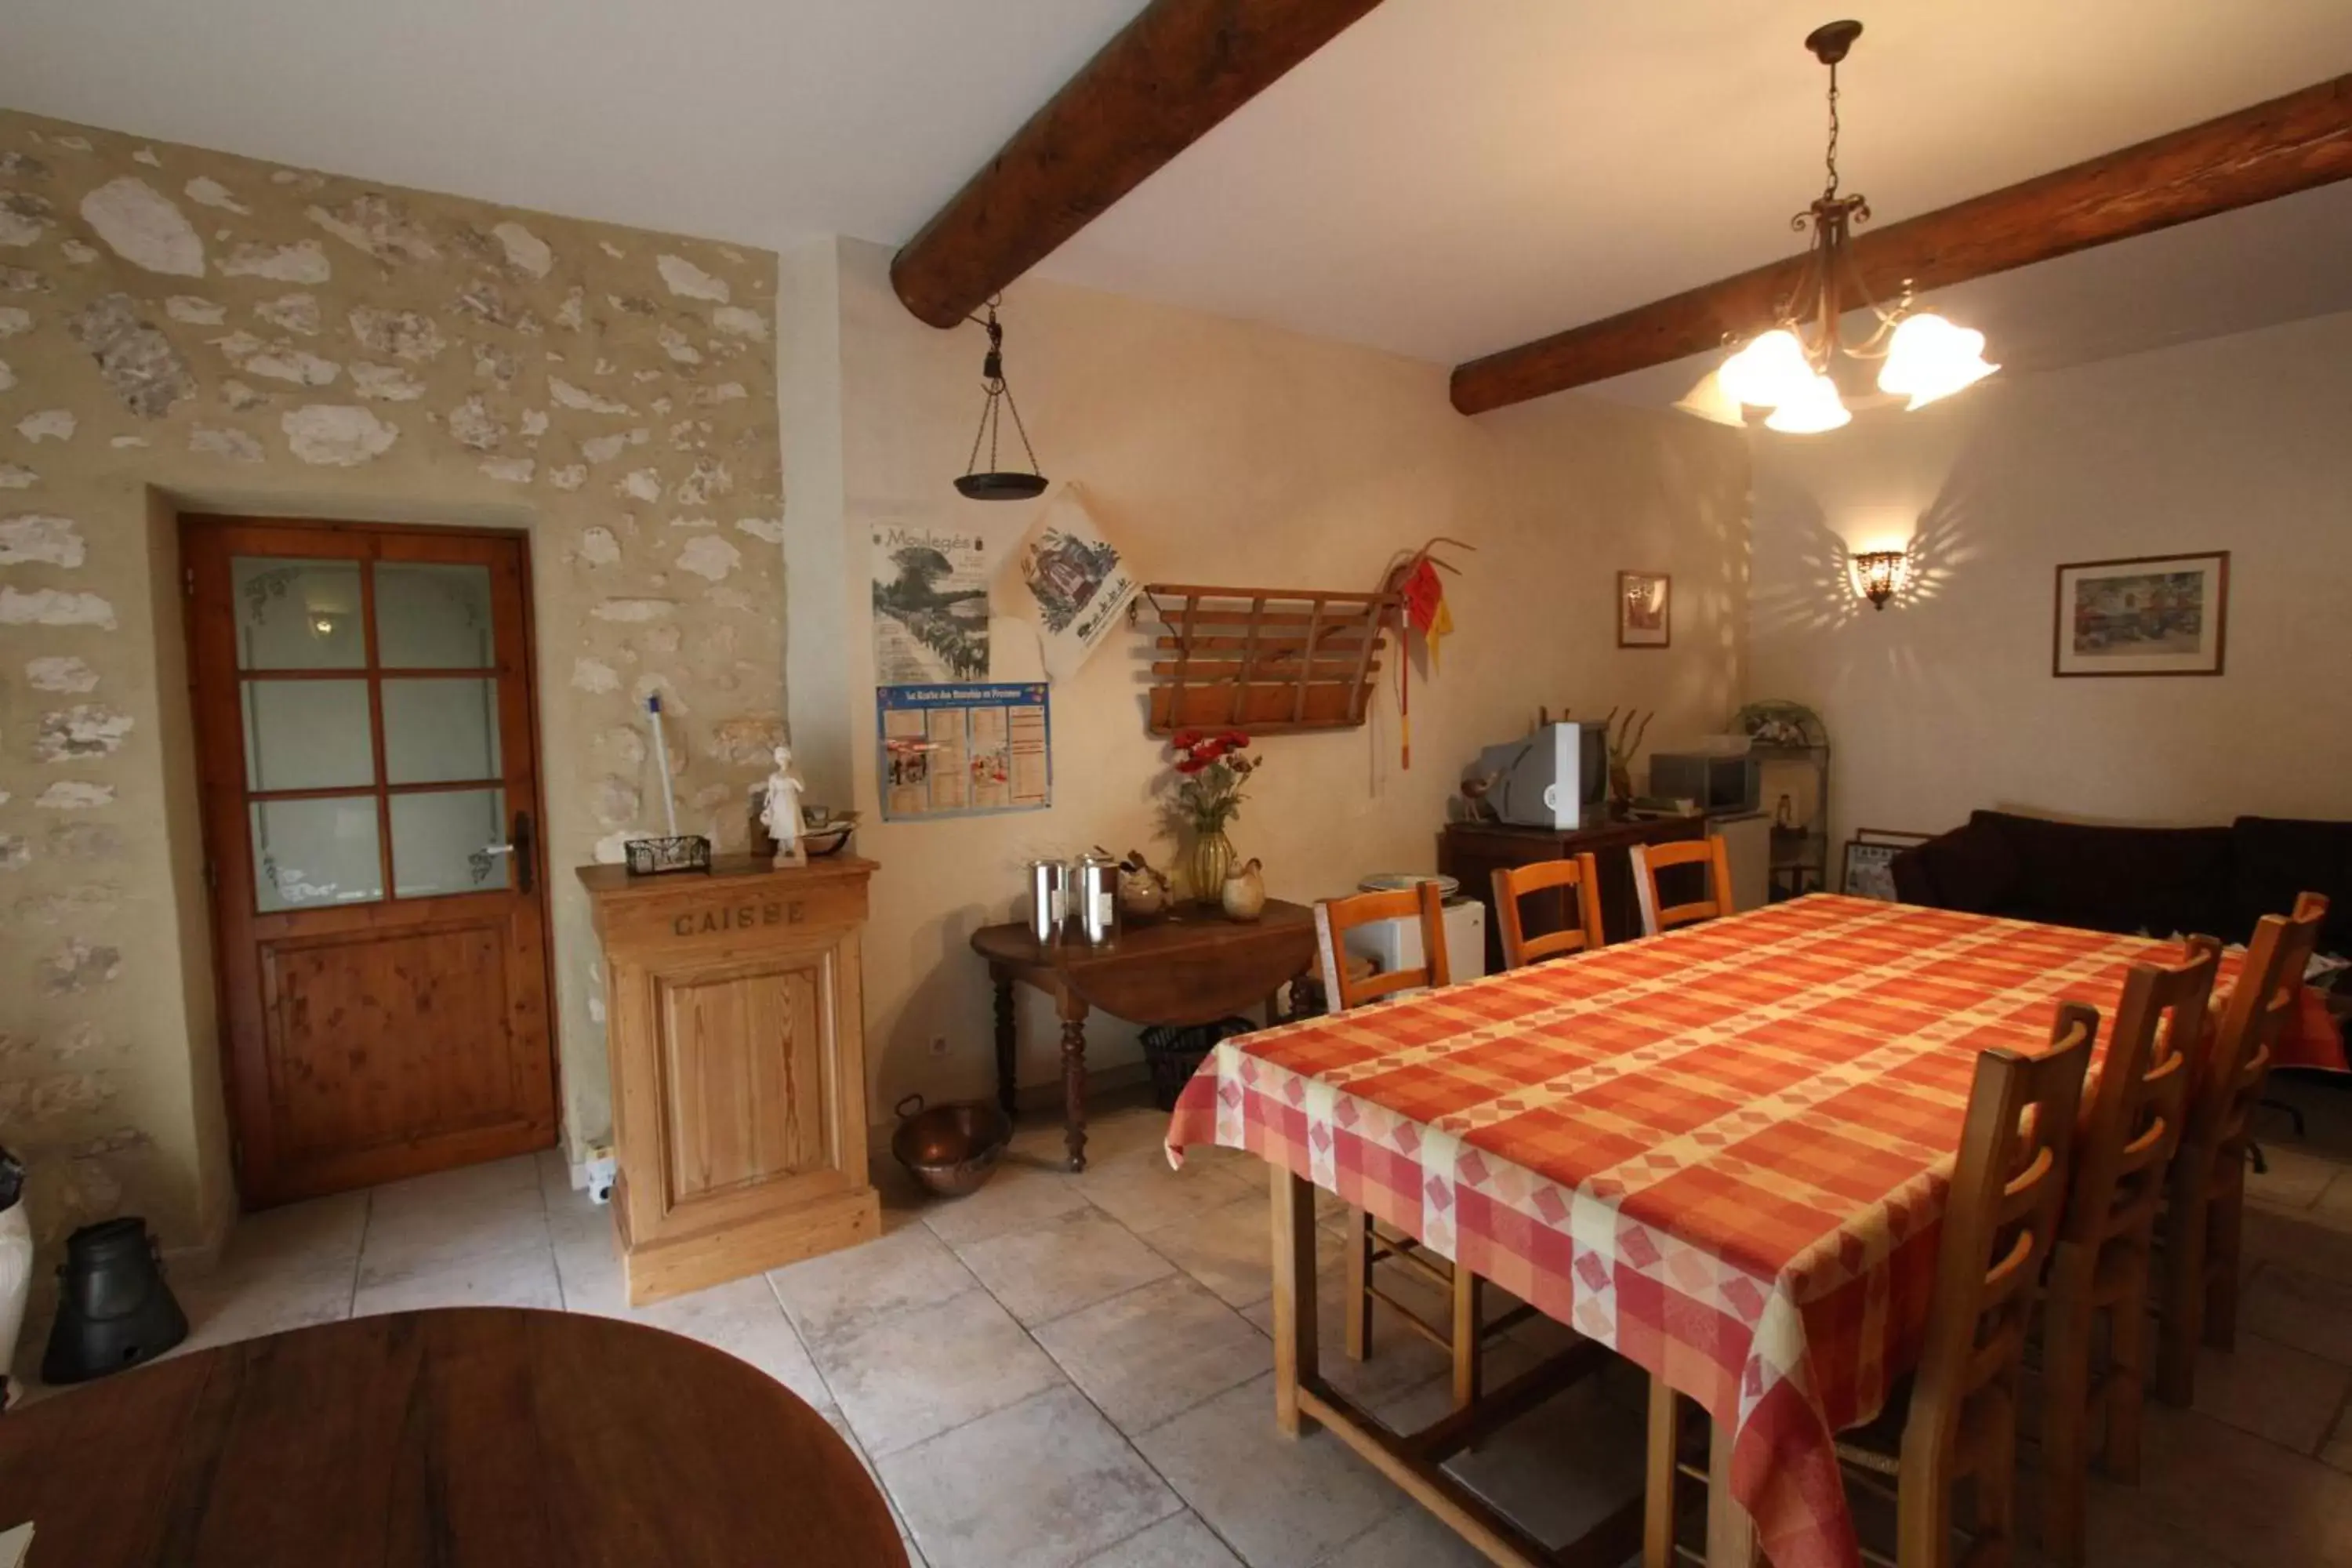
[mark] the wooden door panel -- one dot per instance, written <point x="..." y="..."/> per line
<point x="745" y="1098"/>
<point x="383" y="1039"/>
<point x="369" y="1036"/>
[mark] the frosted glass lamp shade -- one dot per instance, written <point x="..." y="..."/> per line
<point x="1929" y="358"/>
<point x="1814" y="407"/>
<point x="1769" y="371"/>
<point x="1711" y="403"/>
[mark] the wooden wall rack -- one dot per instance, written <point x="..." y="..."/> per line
<point x="1271" y="661"/>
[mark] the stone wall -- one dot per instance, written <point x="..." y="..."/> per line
<point x="185" y="331"/>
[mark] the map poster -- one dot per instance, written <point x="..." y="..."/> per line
<point x="931" y="606"/>
<point x="963" y="749"/>
<point x="1071" y="581"/>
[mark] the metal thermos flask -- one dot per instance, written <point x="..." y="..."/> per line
<point x="1049" y="898"/>
<point x="1096" y="898"/>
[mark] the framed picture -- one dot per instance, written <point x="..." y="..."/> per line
<point x="2148" y="614"/>
<point x="1870" y="869"/>
<point x="1644" y="609"/>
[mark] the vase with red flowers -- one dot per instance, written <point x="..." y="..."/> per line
<point x="1211" y="771"/>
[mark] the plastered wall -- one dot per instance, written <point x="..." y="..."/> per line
<point x="1944" y="702"/>
<point x="181" y="329"/>
<point x="1220" y="452"/>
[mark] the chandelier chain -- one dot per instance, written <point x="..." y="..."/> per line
<point x="1830" y="192"/>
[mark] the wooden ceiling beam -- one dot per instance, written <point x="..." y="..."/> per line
<point x="1167" y="79"/>
<point x="2273" y="149"/>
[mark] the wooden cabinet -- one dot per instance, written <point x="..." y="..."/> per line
<point x="1472" y="851"/>
<point x="736" y="1037"/>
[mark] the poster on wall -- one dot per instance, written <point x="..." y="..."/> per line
<point x="963" y="749"/>
<point x="931" y="606"/>
<point x="1070" y="580"/>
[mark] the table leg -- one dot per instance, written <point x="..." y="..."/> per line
<point x="1730" y="1534"/>
<point x="1293" y="1294"/>
<point x="1073" y="1079"/>
<point x="1007" y="1044"/>
<point x="1658" y="1483"/>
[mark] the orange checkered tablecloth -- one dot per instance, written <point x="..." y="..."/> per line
<point x="1723" y="1153"/>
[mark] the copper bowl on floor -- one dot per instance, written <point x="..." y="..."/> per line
<point x="950" y="1148"/>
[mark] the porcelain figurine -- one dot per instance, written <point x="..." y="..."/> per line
<point x="780" y="815"/>
<point x="1244" y="892"/>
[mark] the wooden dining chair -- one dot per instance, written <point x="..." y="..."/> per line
<point x="1579" y="878"/>
<point x="1954" y="1419"/>
<point x="1649" y="860"/>
<point x="2202" y="1230"/>
<point x="1462" y="1336"/>
<point x="2099" y="1267"/>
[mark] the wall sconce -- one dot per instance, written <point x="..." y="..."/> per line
<point x="1879" y="574"/>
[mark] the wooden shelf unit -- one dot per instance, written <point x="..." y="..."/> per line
<point x="1270" y="661"/>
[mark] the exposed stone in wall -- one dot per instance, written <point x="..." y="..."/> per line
<point x="81" y="733"/>
<point x="138" y="362"/>
<point x="32" y="537"/>
<point x="337" y="435"/>
<point x="302" y="262"/>
<point x="397" y="353"/>
<point x="143" y="226"/>
<point x="689" y="281"/>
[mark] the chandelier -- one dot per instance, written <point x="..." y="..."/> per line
<point x="1788" y="369"/>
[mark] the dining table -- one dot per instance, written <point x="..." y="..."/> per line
<point x="455" y="1437"/>
<point x="1722" y="1153"/>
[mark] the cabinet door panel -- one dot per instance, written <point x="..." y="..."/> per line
<point x="745" y="1096"/>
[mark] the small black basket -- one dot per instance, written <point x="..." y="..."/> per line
<point x="652" y="857"/>
<point x="1175" y="1052"/>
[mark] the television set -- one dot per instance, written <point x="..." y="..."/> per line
<point x="1555" y="777"/>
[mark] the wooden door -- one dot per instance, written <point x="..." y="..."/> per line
<point x="370" y="767"/>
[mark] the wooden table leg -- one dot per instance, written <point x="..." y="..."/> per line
<point x="1658" y="1484"/>
<point x="1730" y="1534"/>
<point x="1007" y="1043"/>
<point x="1293" y="1294"/>
<point x="1073" y="1079"/>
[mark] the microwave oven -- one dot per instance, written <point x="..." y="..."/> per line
<point x="1714" y="784"/>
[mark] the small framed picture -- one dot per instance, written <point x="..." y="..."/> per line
<point x="2147" y="615"/>
<point x="1870" y="869"/>
<point x="1646" y="609"/>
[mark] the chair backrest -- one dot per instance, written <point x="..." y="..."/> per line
<point x="1649" y="860"/>
<point x="1582" y="930"/>
<point x="1334" y="917"/>
<point x="2142" y="1095"/>
<point x="2269" y="989"/>
<point x="2009" y="1188"/>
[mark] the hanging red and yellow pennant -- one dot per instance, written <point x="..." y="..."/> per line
<point x="1421" y="593"/>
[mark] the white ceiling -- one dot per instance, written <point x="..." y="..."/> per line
<point x="1448" y="178"/>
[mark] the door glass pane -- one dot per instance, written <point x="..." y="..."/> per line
<point x="310" y="853"/>
<point x="297" y="615"/>
<point x="441" y="731"/>
<point x="307" y="734"/>
<point x="431" y="616"/>
<point x="441" y="842"/>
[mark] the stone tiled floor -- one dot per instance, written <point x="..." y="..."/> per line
<point x="1063" y="1371"/>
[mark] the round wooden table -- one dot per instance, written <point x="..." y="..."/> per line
<point x="491" y="1437"/>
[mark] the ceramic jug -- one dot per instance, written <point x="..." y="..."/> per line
<point x="1244" y="892"/>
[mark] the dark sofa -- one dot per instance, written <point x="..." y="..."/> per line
<point x="2216" y="880"/>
